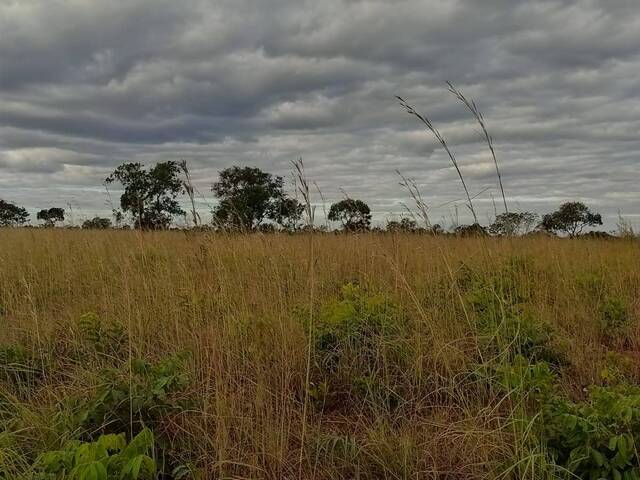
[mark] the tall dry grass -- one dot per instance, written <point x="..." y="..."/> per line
<point x="241" y="304"/>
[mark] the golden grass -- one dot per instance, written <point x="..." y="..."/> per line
<point x="240" y="305"/>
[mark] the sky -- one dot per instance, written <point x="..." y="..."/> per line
<point x="87" y="85"/>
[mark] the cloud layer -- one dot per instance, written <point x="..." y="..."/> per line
<point x="86" y="85"/>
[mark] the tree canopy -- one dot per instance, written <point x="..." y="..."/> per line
<point x="50" y="216"/>
<point x="513" y="223"/>
<point x="150" y="195"/>
<point x="97" y="223"/>
<point x="571" y="218"/>
<point x="248" y="196"/>
<point x="11" y="215"/>
<point x="404" y="225"/>
<point x="287" y="212"/>
<point x="355" y="215"/>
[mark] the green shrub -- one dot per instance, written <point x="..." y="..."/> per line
<point x="614" y="318"/>
<point x="356" y="338"/>
<point x="507" y="330"/>
<point x="108" y="458"/>
<point x="528" y="379"/>
<point x="598" y="438"/>
<point x="591" y="283"/>
<point x="105" y="338"/>
<point x="618" y="368"/>
<point x="135" y="399"/>
<point x="340" y="451"/>
<point x="19" y="367"/>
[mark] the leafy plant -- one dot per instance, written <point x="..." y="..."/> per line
<point x="107" y="338"/>
<point x="109" y="457"/>
<point x="528" y="378"/>
<point x="599" y="437"/>
<point x="19" y="367"/>
<point x="356" y="338"/>
<point x="136" y="399"/>
<point x="618" y="369"/>
<point x="614" y="318"/>
<point x="506" y="328"/>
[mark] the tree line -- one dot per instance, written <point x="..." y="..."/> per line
<point x="250" y="200"/>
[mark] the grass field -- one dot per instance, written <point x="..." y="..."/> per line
<point x="325" y="356"/>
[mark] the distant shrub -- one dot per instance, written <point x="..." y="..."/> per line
<point x="110" y="457"/>
<point x="474" y="230"/>
<point x="97" y="223"/>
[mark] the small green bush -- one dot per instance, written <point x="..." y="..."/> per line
<point x="618" y="368"/>
<point x="356" y="338"/>
<point x="507" y="330"/>
<point x="598" y="438"/>
<point x="104" y="338"/>
<point x="528" y="379"/>
<point x="19" y="367"/>
<point x="614" y="318"/>
<point x="136" y="401"/>
<point x="108" y="458"/>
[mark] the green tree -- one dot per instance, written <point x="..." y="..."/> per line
<point x="247" y="196"/>
<point x="51" y="216"/>
<point x="355" y="215"/>
<point x="97" y="223"/>
<point x="11" y="215"/>
<point x="150" y="195"/>
<point x="473" y="230"/>
<point x="287" y="212"/>
<point x="571" y="218"/>
<point x="513" y="223"/>
<point x="404" y="225"/>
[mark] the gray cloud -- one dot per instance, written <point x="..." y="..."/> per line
<point x="85" y="86"/>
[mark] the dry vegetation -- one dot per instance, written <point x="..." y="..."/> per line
<point x="310" y="356"/>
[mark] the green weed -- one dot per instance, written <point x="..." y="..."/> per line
<point x="110" y="457"/>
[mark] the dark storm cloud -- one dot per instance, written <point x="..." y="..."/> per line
<point x="86" y="85"/>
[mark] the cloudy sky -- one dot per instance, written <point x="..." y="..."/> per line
<point x="88" y="84"/>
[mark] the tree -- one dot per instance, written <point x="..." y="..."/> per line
<point x="473" y="230"/>
<point x="150" y="195"/>
<point x="436" y="229"/>
<point x="247" y="196"/>
<point x="97" y="223"/>
<point x="513" y="223"/>
<point x="11" y="215"/>
<point x="571" y="218"/>
<point x="287" y="212"/>
<point x="354" y="215"/>
<point x="404" y="225"/>
<point x="51" y="216"/>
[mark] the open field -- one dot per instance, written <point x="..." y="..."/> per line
<point x="322" y="356"/>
